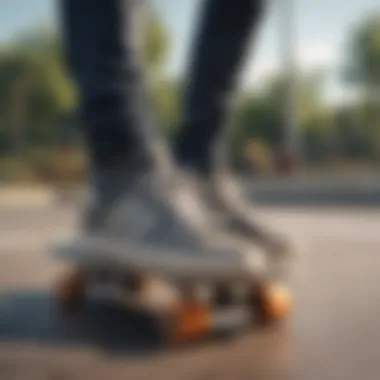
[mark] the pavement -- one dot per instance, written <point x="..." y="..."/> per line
<point x="333" y="332"/>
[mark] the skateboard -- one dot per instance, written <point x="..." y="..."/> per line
<point x="189" y="297"/>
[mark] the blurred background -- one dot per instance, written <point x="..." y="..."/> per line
<point x="309" y="89"/>
<point x="305" y="138"/>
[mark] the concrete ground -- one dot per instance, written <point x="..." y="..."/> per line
<point x="333" y="333"/>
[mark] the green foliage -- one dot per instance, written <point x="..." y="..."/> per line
<point x="363" y="70"/>
<point x="36" y="94"/>
<point x="167" y="98"/>
<point x="363" y="66"/>
<point x="351" y="139"/>
<point x="60" y="166"/>
<point x="262" y="116"/>
<point x="164" y="92"/>
<point x="155" y="43"/>
<point x="37" y="100"/>
<point x="16" y="170"/>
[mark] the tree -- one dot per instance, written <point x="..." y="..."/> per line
<point x="363" y="70"/>
<point x="155" y="42"/>
<point x="363" y="66"/>
<point x="167" y="106"/>
<point x="164" y="92"/>
<point x="351" y="140"/>
<point x="261" y="116"/>
<point x="37" y="98"/>
<point x="36" y="94"/>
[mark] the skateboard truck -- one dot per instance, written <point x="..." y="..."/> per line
<point x="182" y="315"/>
<point x="195" y="320"/>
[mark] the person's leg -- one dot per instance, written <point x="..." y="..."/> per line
<point x="101" y="40"/>
<point x="101" y="44"/>
<point x="224" y="35"/>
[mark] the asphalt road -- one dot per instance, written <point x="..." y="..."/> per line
<point x="334" y="332"/>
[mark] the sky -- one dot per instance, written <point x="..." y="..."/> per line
<point x="322" y="30"/>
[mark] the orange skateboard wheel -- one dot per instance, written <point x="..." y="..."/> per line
<point x="191" y="322"/>
<point x="274" y="302"/>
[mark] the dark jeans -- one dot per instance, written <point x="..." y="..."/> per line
<point x="103" y="54"/>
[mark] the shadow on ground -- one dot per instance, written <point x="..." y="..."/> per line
<point x="29" y="320"/>
<point x="33" y="317"/>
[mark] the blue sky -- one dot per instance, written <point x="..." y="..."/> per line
<point x="322" y="27"/>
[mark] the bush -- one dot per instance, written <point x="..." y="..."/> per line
<point x="59" y="166"/>
<point x="259" y="157"/>
<point x="15" y="170"/>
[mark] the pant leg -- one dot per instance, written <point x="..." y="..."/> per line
<point x="224" y="33"/>
<point x="102" y="48"/>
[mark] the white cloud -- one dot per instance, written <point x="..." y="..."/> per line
<point x="309" y="56"/>
<point x="315" y="55"/>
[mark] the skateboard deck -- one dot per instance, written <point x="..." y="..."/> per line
<point x="165" y="261"/>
